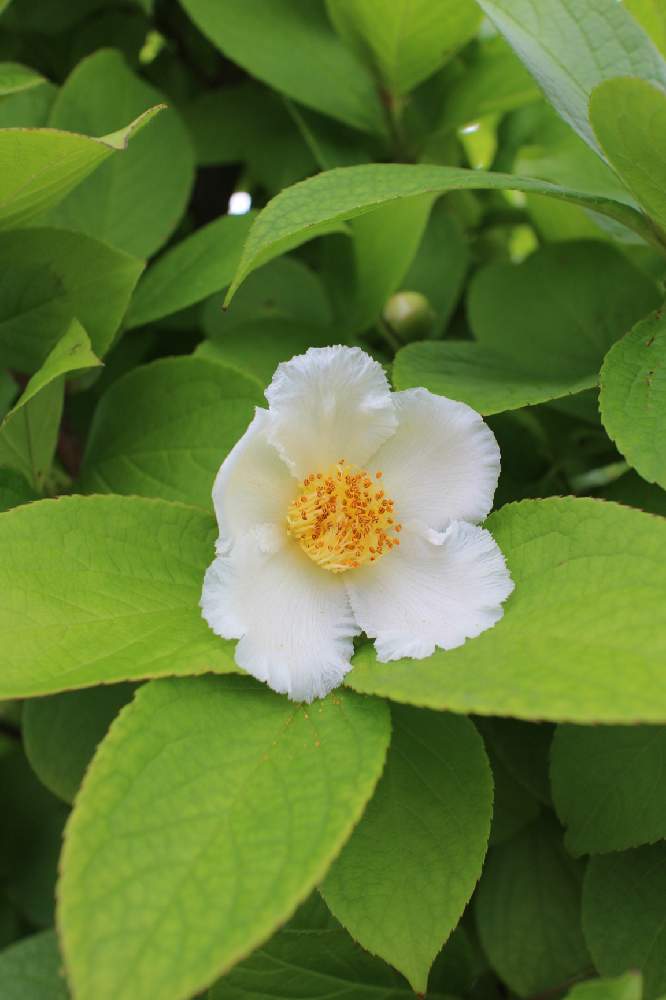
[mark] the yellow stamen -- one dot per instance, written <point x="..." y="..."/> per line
<point x="339" y="519"/>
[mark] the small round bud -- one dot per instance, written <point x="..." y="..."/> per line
<point x="410" y="316"/>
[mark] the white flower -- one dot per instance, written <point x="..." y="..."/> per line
<point x="347" y="508"/>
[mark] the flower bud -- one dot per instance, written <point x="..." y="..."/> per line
<point x="410" y="316"/>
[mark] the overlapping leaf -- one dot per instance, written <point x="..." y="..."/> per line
<point x="133" y="203"/>
<point x="307" y="209"/>
<point x="633" y="397"/>
<point x="405" y="876"/>
<point x="138" y="444"/>
<point x="39" y="167"/>
<point x="590" y="585"/>
<point x="210" y="811"/>
<point x="103" y="589"/>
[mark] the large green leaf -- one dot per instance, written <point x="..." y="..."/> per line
<point x="410" y="867"/>
<point x="570" y="46"/>
<point x="627" y="987"/>
<point x="559" y="311"/>
<point x="39" y="167"/>
<point x="134" y="202"/>
<point x="484" y="379"/>
<point x="256" y="347"/>
<point x="405" y="40"/>
<point x="31" y="970"/>
<point x="607" y="786"/>
<point x="103" y="589"/>
<point x="629" y="120"/>
<point x="285" y="288"/>
<point x="29" y="432"/>
<point x="61" y="733"/>
<point x="633" y="397"/>
<point x="201" y="265"/>
<point x="590" y="585"/>
<point x="48" y="277"/>
<point x="624" y="914"/>
<point x="577" y="297"/>
<point x="528" y="911"/>
<point x="219" y="805"/>
<point x="308" y="209"/>
<point x="139" y="445"/>
<point x="304" y="60"/>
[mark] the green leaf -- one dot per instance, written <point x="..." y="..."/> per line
<point x="624" y="914"/>
<point x="440" y="265"/>
<point x="135" y="202"/>
<point x="406" y="40"/>
<point x="590" y="581"/>
<point x="409" y="869"/>
<point x="629" y="120"/>
<point x="633" y="397"/>
<point x="14" y="78"/>
<point x="256" y="347"/>
<point x="29" y="108"/>
<point x="559" y="311"/>
<point x="385" y="242"/>
<point x="493" y="80"/>
<point x="305" y="59"/>
<point x="308" y="209"/>
<point x="285" y="288"/>
<point x="137" y="445"/>
<point x="315" y="964"/>
<point x="201" y="265"/>
<point x="48" y="277"/>
<point x="61" y="733"/>
<point x="265" y="794"/>
<point x="651" y="15"/>
<point x="39" y="167"/>
<point x="250" y="124"/>
<point x="30" y="969"/>
<point x="485" y="380"/>
<point x="14" y="489"/>
<point x="528" y="911"/>
<point x="580" y="296"/>
<point x="606" y="785"/>
<point x="103" y="589"/>
<point x="29" y="432"/>
<point x="570" y="46"/>
<point x="627" y="987"/>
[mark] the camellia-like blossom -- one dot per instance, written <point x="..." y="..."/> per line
<point x="344" y="508"/>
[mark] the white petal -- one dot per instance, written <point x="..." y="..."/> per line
<point x="253" y="487"/>
<point x="327" y="404"/>
<point x="293" y="619"/>
<point x="434" y="590"/>
<point x="443" y="462"/>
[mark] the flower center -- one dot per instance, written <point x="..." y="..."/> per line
<point x="342" y="519"/>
